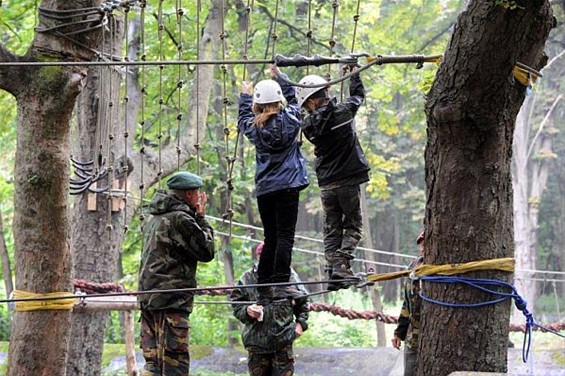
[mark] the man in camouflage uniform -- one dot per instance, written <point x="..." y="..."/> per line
<point x="176" y="236"/>
<point x="269" y="330"/>
<point x="408" y="327"/>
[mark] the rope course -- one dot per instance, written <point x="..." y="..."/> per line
<point x="85" y="290"/>
<point x="103" y="165"/>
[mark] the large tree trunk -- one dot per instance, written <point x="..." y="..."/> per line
<point x="108" y="229"/>
<point x="471" y="111"/>
<point x="45" y="97"/>
<point x="97" y="234"/>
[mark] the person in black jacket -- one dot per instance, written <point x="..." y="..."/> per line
<point x="341" y="167"/>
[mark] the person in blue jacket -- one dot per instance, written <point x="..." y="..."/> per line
<point x="270" y="118"/>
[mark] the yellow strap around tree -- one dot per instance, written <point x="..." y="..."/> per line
<point x="502" y="264"/>
<point x="50" y="301"/>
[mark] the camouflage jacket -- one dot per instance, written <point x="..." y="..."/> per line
<point x="408" y="328"/>
<point x="174" y="240"/>
<point x="277" y="330"/>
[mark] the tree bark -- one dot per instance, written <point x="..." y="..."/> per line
<point x="471" y="110"/>
<point x="96" y="236"/>
<point x="45" y="97"/>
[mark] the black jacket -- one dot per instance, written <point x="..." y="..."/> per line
<point x="340" y="160"/>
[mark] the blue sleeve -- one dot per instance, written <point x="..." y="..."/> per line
<point x="289" y="91"/>
<point x="245" y="117"/>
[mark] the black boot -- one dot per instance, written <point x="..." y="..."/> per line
<point x="265" y="295"/>
<point x="342" y="274"/>
<point x="287" y="292"/>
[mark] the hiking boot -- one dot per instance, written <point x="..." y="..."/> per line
<point x="287" y="292"/>
<point x="342" y="275"/>
<point x="341" y="269"/>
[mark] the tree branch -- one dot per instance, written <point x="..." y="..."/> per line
<point x="8" y="74"/>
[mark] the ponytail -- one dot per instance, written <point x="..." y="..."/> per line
<point x="264" y="111"/>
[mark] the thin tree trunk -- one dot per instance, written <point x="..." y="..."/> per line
<point x="6" y="269"/>
<point x="373" y="292"/>
<point x="471" y="111"/>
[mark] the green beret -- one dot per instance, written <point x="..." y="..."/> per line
<point x="184" y="180"/>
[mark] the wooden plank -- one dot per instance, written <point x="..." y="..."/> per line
<point x="91" y="199"/>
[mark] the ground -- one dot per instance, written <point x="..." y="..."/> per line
<point x="380" y="361"/>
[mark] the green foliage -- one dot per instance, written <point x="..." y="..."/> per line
<point x="508" y="4"/>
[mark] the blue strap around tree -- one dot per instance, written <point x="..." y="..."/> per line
<point x="483" y="285"/>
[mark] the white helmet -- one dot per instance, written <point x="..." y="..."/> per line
<point x="303" y="93"/>
<point x="267" y="91"/>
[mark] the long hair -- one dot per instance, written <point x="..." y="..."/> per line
<point x="264" y="111"/>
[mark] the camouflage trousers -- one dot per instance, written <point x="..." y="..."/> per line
<point x="343" y="224"/>
<point x="280" y="363"/>
<point x="164" y="342"/>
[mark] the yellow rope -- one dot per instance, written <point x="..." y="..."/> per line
<point x="524" y="76"/>
<point x="39" y="305"/>
<point x="502" y="264"/>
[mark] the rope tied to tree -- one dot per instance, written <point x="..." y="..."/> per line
<point x="62" y="300"/>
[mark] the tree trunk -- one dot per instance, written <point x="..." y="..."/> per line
<point x="96" y="235"/>
<point x="532" y="159"/>
<point x="471" y="111"/>
<point x="45" y="97"/>
<point x="6" y="269"/>
<point x="374" y="293"/>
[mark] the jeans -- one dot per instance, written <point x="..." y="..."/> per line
<point x="343" y="224"/>
<point x="279" y="212"/>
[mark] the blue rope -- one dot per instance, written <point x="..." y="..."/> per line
<point x="482" y="284"/>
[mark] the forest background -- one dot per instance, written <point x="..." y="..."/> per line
<point x="391" y="126"/>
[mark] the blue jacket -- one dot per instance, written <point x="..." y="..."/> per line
<point x="279" y="162"/>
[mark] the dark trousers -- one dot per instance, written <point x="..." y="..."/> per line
<point x="279" y="212"/>
<point x="343" y="224"/>
<point x="164" y="341"/>
<point x="280" y="363"/>
<point x="410" y="358"/>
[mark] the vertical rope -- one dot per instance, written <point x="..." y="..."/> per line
<point x="142" y="5"/>
<point x="353" y="38"/>
<point x="125" y="164"/>
<point x="309" y="36"/>
<point x="160" y="28"/>
<point x="110" y="123"/>
<point x="248" y="9"/>
<point x="355" y="25"/>
<point x="228" y="214"/>
<point x="180" y="82"/>
<point x="197" y="144"/>
<point x="274" y="35"/>
<point x="100" y="119"/>
<point x="332" y="42"/>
